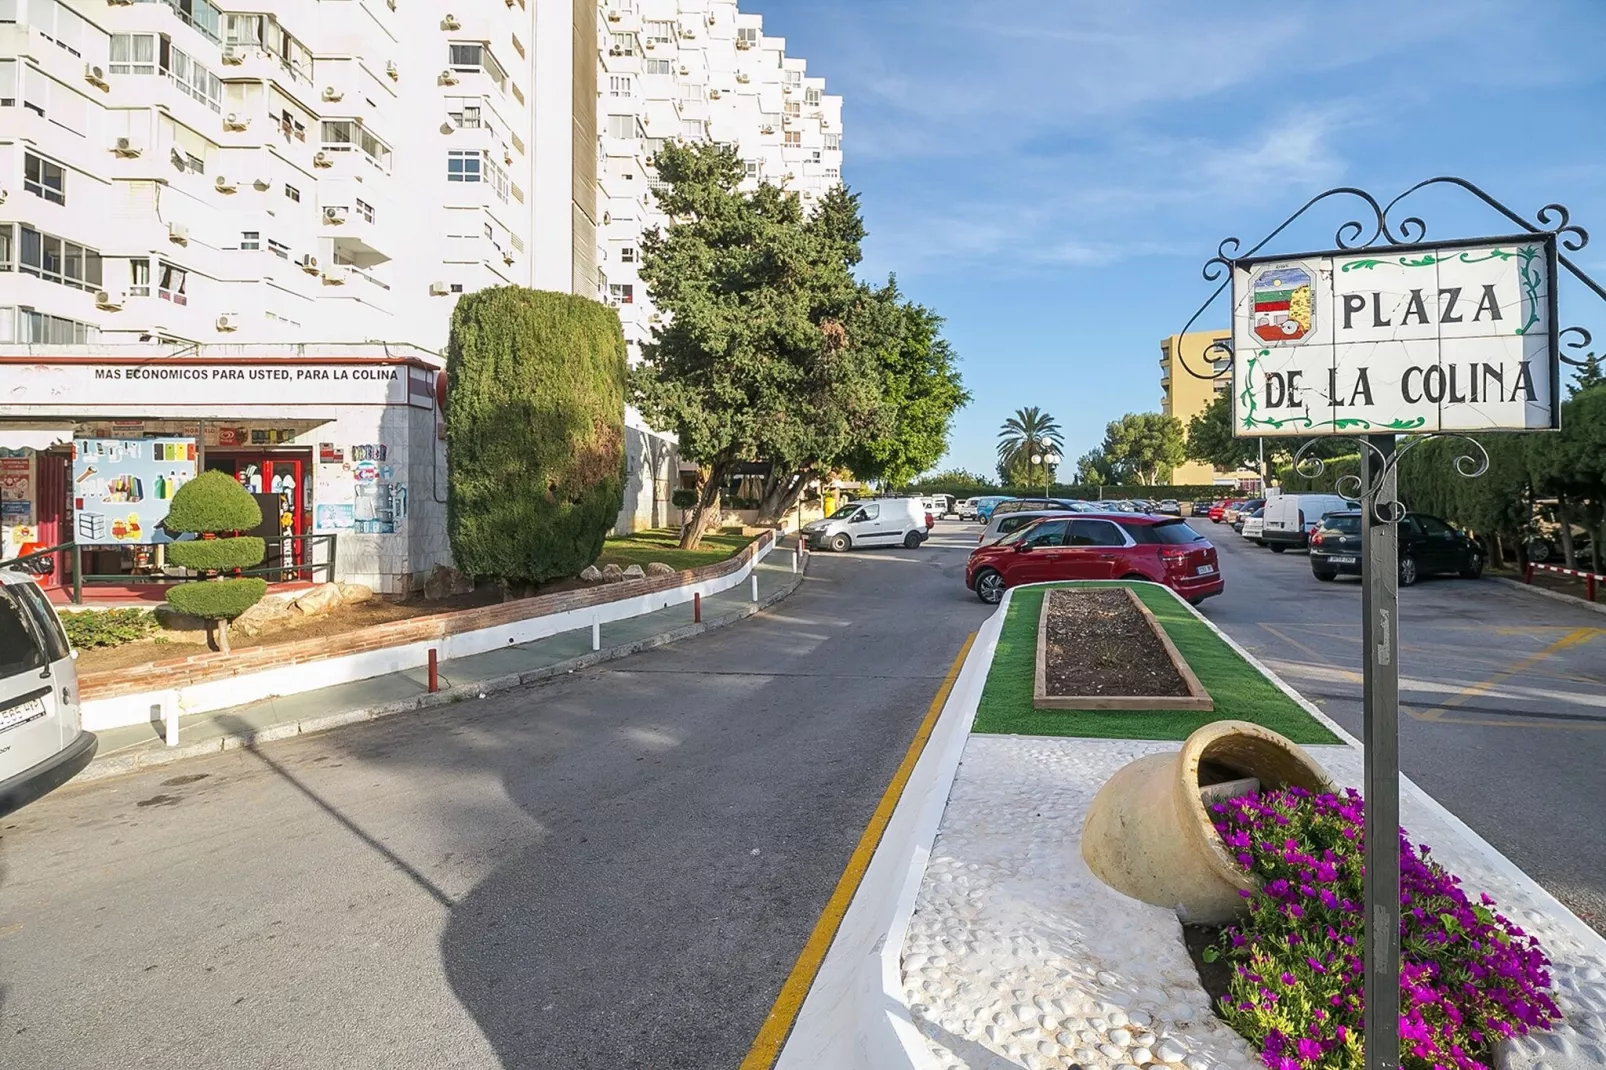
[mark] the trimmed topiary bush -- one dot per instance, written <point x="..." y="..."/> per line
<point x="534" y="432"/>
<point x="215" y="504"/>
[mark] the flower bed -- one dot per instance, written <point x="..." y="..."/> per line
<point x="1468" y="976"/>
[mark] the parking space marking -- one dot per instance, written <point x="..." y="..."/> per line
<point x="1466" y="694"/>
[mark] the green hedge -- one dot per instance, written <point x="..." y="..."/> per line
<point x="217" y="555"/>
<point x="535" y="432"/>
<point x="1086" y="492"/>
<point x="94" y="629"/>
<point x="212" y="501"/>
<point x="217" y="599"/>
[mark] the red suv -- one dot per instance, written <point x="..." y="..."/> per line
<point x="1098" y="546"/>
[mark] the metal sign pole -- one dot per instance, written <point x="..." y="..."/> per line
<point x="1380" y="641"/>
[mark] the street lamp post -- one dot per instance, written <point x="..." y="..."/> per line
<point x="1046" y="459"/>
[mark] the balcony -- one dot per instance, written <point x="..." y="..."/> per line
<point x="201" y="15"/>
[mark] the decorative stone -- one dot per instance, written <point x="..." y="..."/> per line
<point x="1141" y="1056"/>
<point x="1556" y="1050"/>
<point x="261" y="617"/>
<point x="591" y="574"/>
<point x="612" y="573"/>
<point x="1121" y="1037"/>
<point x="445" y="581"/>
<point x="1169" y="1051"/>
<point x="635" y="572"/>
<point x="352" y="593"/>
<point x="322" y="599"/>
<point x="1112" y="1051"/>
<point x="658" y="568"/>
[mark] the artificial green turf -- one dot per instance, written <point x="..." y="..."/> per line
<point x="663" y="544"/>
<point x="1239" y="691"/>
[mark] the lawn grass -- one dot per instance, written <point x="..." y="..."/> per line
<point x="663" y="544"/>
<point x="1240" y="692"/>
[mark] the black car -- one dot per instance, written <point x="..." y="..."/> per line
<point x="1428" y="547"/>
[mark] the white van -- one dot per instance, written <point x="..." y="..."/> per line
<point x="1289" y="519"/>
<point x="876" y="522"/>
<point x="42" y="743"/>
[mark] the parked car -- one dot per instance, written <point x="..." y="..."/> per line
<point x="985" y="505"/>
<point x="1428" y="547"/>
<point x="875" y="522"/>
<point x="1037" y="505"/>
<point x="1169" y="507"/>
<point x="42" y="741"/>
<point x="1200" y="508"/>
<point x="1292" y="518"/>
<point x="1098" y="546"/>
<point x="1241" y="513"/>
<point x="1252" y="525"/>
<point x="1003" y="523"/>
<point x="966" y="510"/>
<point x="1218" y="510"/>
<point x="942" y="505"/>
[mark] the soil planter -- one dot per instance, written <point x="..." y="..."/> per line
<point x="1101" y="649"/>
<point x="1149" y="835"/>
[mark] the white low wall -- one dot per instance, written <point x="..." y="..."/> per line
<point x="141" y="708"/>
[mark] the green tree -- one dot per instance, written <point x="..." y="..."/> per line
<point x="1145" y="446"/>
<point x="953" y="477"/>
<point x="1094" y="469"/>
<point x="920" y="384"/>
<point x="1589" y="375"/>
<point x="1210" y="438"/>
<point x="535" y="432"/>
<point x="753" y="361"/>
<point x="1029" y="433"/>
<point x="210" y="505"/>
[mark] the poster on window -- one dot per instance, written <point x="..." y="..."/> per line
<point x="123" y="488"/>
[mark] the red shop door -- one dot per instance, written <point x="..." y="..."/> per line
<point x="55" y="525"/>
<point x="283" y="477"/>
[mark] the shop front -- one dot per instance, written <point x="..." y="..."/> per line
<point x="343" y="449"/>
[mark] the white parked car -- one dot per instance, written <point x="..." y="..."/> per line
<point x="42" y="741"/>
<point x="966" y="509"/>
<point x="1291" y="518"/>
<point x="875" y="522"/>
<point x="1003" y="524"/>
<point x="1254" y="523"/>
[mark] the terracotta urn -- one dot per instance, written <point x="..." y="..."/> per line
<point x="1149" y="835"/>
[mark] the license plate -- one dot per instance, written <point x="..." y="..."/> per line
<point x="1205" y="570"/>
<point x="31" y="710"/>
<point x="1342" y="560"/>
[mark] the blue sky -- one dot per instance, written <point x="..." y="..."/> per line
<point x="1051" y="177"/>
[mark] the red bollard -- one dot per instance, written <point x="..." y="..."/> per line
<point x="696" y="608"/>
<point x="1589" y="586"/>
<point x="434" y="671"/>
<point x="1528" y="573"/>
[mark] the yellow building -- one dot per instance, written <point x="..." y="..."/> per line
<point x="1184" y="395"/>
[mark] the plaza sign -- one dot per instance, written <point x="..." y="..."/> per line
<point x="1456" y="337"/>
<point x="199" y="386"/>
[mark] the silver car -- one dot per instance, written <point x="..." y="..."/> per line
<point x="1003" y="524"/>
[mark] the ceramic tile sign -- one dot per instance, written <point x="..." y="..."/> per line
<point x="123" y="487"/>
<point x="1402" y="339"/>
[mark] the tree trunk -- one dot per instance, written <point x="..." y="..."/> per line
<point x="223" y="636"/>
<point x="781" y="496"/>
<point x="706" y="511"/>
<point x="1568" y="552"/>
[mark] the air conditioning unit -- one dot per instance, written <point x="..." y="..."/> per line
<point x="743" y="45"/>
<point x="95" y="76"/>
<point x="110" y="300"/>
<point x="228" y="322"/>
<point x="507" y="258"/>
<point x="233" y="56"/>
<point x="450" y="23"/>
<point x="448" y="77"/>
<point x="332" y="95"/>
<point x="178" y="232"/>
<point x="390" y="64"/>
<point x="334" y="215"/>
<point x="336" y="276"/>
<point x="684" y="69"/>
<point x="649" y="46"/>
<point x="616" y="51"/>
<point x="786" y="89"/>
<point x="439" y="289"/>
<point x="688" y="34"/>
<point x="177" y="157"/>
<point x="613" y="16"/>
<point x="232" y="121"/>
<point x="261" y="185"/>
<point x="126" y="148"/>
<point x="710" y="20"/>
<point x="507" y="157"/>
<point x="744" y="78"/>
<point x="607" y="218"/>
<point x="120" y="3"/>
<point x="766" y="129"/>
<point x="224" y="185"/>
<point x="309" y="264"/>
<point x="713" y="94"/>
<point x="322" y="159"/>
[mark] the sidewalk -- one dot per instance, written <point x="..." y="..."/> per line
<point x="124" y="750"/>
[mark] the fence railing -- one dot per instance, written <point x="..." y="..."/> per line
<point x="300" y="557"/>
<point x="1592" y="580"/>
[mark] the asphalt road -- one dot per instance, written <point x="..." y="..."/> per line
<point x="1503" y="697"/>
<point x="613" y="869"/>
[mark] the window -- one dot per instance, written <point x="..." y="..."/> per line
<point x="624" y="44"/>
<point x="867" y="512"/>
<point x="279" y="249"/>
<point x="1048" y="533"/>
<point x="692" y="129"/>
<point x="619" y="85"/>
<point x="627" y="254"/>
<point x="250" y="239"/>
<point x="660" y="31"/>
<point x="194" y="164"/>
<point x="1434" y="526"/>
<point x="290" y="126"/>
<point x="811" y="96"/>
<point x="365" y="210"/>
<point x="770" y="119"/>
<point x="833" y="172"/>
<point x="833" y="142"/>
<point x="1095" y="533"/>
<point x="463" y="165"/>
<point x="755" y="168"/>
<point x="692" y="92"/>
<point x="139" y="278"/>
<point x="794" y="137"/>
<point x="456" y="287"/>
<point x="48" y="257"/>
<point x="6" y="248"/>
<point x="474" y="59"/>
<point x="660" y="66"/>
<point x="793" y="109"/>
<point x="44" y="179"/>
<point x="341" y="135"/>
<point x="133" y="53"/>
<point x="748" y="34"/>
<point x="200" y="14"/>
<point x="8" y="83"/>
<point x="622" y="293"/>
<point x="41" y="329"/>
<point x="794" y="77"/>
<point x="623" y="126"/>
<point x="292" y="193"/>
<point x="467" y="117"/>
<point x="171" y="287"/>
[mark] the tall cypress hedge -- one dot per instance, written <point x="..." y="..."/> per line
<point x="534" y="432"/>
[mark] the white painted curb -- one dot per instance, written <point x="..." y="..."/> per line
<point x="124" y="710"/>
<point x="855" y="1016"/>
<point x="1555" y="596"/>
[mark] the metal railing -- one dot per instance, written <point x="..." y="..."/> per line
<point x="297" y="559"/>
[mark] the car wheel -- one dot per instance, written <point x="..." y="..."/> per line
<point x="1262" y="543"/>
<point x="1408" y="571"/>
<point x="1277" y="547"/>
<point x="1539" y="550"/>
<point x="911" y="540"/>
<point x="990" y="587"/>
<point x="841" y="542"/>
<point x="1474" y="568"/>
<point x="1324" y="575"/>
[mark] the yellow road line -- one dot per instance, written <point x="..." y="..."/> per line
<point x="778" y="1024"/>
<point x="1466" y="694"/>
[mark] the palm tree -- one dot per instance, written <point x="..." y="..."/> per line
<point x="1029" y="432"/>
